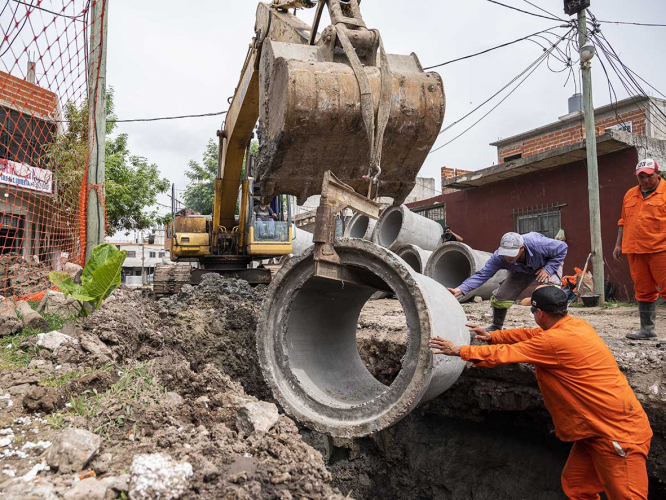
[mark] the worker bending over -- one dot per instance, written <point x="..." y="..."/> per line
<point x="528" y="258"/>
<point x="589" y="400"/>
<point x="642" y="236"/>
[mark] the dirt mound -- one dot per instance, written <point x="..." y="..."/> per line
<point x="170" y="377"/>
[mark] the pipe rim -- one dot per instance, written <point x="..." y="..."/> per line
<point x="357" y="222"/>
<point x="376" y="413"/>
<point x="413" y="252"/>
<point x="441" y="251"/>
<point x="387" y="240"/>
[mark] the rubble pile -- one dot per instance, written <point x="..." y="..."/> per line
<point x="148" y="399"/>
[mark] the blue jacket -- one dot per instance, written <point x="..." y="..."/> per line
<point x="541" y="252"/>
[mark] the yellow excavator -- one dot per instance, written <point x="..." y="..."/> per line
<point x="337" y="116"/>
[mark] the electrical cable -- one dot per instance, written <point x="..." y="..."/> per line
<point x="169" y="117"/>
<point x="524" y="11"/>
<point x="18" y="33"/>
<point x="50" y="11"/>
<point x="633" y="24"/>
<point x="527" y="72"/>
<point x="545" y="11"/>
<point x="491" y="49"/>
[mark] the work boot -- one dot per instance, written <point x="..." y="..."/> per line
<point x="648" y="314"/>
<point x="498" y="319"/>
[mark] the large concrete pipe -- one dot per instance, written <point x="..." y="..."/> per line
<point x="454" y="262"/>
<point x="415" y="257"/>
<point x="399" y="226"/>
<point x="301" y="241"/>
<point x="360" y="226"/>
<point x="306" y="339"/>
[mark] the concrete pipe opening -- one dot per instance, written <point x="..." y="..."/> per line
<point x="454" y="262"/>
<point x="360" y="226"/>
<point x="415" y="257"/>
<point x="399" y="226"/>
<point x="307" y="345"/>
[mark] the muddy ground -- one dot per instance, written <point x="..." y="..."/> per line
<point x="180" y="377"/>
<point x="489" y="436"/>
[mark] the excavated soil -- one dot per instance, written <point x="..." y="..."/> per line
<point x="169" y="376"/>
<point x="173" y="375"/>
<point x="489" y="436"/>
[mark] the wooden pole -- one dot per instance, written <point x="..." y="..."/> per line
<point x="95" y="215"/>
<point x="592" y="167"/>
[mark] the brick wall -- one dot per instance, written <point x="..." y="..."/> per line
<point x="26" y="97"/>
<point x="449" y="173"/>
<point x="571" y="134"/>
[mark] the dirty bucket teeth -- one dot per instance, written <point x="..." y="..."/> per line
<point x="310" y="121"/>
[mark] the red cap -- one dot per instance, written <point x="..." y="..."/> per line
<point x="648" y="166"/>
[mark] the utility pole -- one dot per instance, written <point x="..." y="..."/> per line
<point x="95" y="217"/>
<point x="143" y="260"/>
<point x="587" y="53"/>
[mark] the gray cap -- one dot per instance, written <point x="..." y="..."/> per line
<point x="510" y="244"/>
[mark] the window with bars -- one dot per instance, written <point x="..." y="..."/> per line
<point x="436" y="213"/>
<point x="131" y="254"/>
<point x="546" y="219"/>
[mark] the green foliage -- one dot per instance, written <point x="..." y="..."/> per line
<point x="99" y="278"/>
<point x="132" y="184"/>
<point x="200" y="192"/>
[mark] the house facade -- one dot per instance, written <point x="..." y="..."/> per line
<point x="540" y="184"/>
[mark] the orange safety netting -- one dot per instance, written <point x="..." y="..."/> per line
<point x="44" y="142"/>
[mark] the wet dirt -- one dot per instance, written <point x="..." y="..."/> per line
<point x="168" y="376"/>
<point x="489" y="436"/>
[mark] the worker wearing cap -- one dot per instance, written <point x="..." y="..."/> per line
<point x="529" y="258"/>
<point x="589" y="399"/>
<point x="642" y="236"/>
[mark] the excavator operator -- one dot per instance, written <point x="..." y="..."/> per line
<point x="589" y="399"/>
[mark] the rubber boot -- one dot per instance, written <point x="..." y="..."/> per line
<point x="498" y="319"/>
<point x="648" y="314"/>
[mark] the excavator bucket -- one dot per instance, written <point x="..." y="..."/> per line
<point x="310" y="121"/>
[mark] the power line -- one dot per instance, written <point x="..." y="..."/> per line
<point x="546" y="52"/>
<point x="632" y="23"/>
<point x="169" y="117"/>
<point x="527" y="72"/>
<point x="545" y="11"/>
<point x="50" y="11"/>
<point x="492" y="48"/>
<point x="524" y="11"/>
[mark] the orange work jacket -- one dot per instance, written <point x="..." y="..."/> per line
<point x="644" y="221"/>
<point x="582" y="386"/>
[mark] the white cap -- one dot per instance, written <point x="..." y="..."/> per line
<point x="510" y="245"/>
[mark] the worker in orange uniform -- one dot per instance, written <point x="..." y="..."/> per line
<point x="589" y="400"/>
<point x="642" y="236"/>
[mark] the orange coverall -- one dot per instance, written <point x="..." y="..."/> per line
<point x="644" y="240"/>
<point x="589" y="400"/>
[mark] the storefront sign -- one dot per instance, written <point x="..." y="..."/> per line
<point x="25" y="176"/>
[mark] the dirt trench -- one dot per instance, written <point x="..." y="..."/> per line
<point x="172" y="376"/>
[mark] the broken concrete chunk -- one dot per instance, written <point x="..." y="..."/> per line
<point x="117" y="483"/>
<point x="158" y="476"/>
<point x="56" y="303"/>
<point x="46" y="399"/>
<point x="74" y="271"/>
<point x="72" y="449"/>
<point x="30" y="317"/>
<point x="86" y="489"/>
<point x="38" y="489"/>
<point x="260" y="416"/>
<point x="174" y="399"/>
<point x="9" y="321"/>
<point x="54" y="339"/>
<point x="97" y="348"/>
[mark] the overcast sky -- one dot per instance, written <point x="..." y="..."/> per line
<point x="169" y="57"/>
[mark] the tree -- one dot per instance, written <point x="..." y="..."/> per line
<point x="200" y="192"/>
<point x="131" y="184"/>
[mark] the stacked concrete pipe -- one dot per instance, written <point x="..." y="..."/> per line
<point x="415" y="257"/>
<point x="454" y="262"/>
<point x="399" y="226"/>
<point x="306" y="340"/>
<point x="360" y="226"/>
